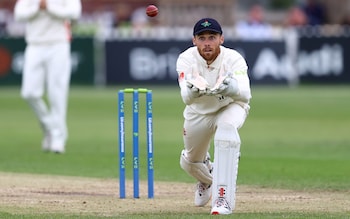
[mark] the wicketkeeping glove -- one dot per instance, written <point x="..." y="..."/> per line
<point x="229" y="87"/>
<point x="193" y="91"/>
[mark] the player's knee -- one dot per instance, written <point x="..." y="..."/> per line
<point x="227" y="136"/>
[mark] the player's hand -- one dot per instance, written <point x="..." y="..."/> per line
<point x="193" y="91"/>
<point x="229" y="87"/>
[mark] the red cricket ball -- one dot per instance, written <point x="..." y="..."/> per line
<point x="151" y="10"/>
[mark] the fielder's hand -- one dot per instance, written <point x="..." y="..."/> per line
<point x="229" y="87"/>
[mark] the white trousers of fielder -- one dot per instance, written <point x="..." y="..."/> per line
<point x="47" y="69"/>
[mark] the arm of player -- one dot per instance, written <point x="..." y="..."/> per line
<point x="244" y="86"/>
<point x="240" y="73"/>
<point x="229" y="87"/>
<point x="237" y="86"/>
<point x="70" y="10"/>
<point x="26" y="9"/>
<point x="236" y="83"/>
<point x="188" y="91"/>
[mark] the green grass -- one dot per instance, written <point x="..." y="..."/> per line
<point x="293" y="139"/>
<point x="297" y="138"/>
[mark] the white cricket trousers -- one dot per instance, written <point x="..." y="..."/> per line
<point x="47" y="69"/>
<point x="200" y="129"/>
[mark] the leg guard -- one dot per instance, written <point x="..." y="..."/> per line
<point x="226" y="155"/>
<point x="199" y="170"/>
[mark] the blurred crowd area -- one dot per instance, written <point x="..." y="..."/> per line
<point x="241" y="19"/>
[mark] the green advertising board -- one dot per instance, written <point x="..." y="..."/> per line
<point x="12" y="53"/>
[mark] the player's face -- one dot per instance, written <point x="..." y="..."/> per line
<point x="208" y="45"/>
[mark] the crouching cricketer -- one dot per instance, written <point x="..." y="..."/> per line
<point x="215" y="87"/>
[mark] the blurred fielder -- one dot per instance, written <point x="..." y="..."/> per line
<point x="47" y="64"/>
<point x="216" y="90"/>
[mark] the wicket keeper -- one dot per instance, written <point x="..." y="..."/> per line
<point x="215" y="88"/>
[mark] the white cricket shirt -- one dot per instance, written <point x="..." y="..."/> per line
<point x="47" y="26"/>
<point x="231" y="62"/>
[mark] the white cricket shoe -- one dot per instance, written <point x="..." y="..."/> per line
<point x="58" y="150"/>
<point x="202" y="194"/>
<point x="57" y="142"/>
<point x="221" y="207"/>
<point x="57" y="146"/>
